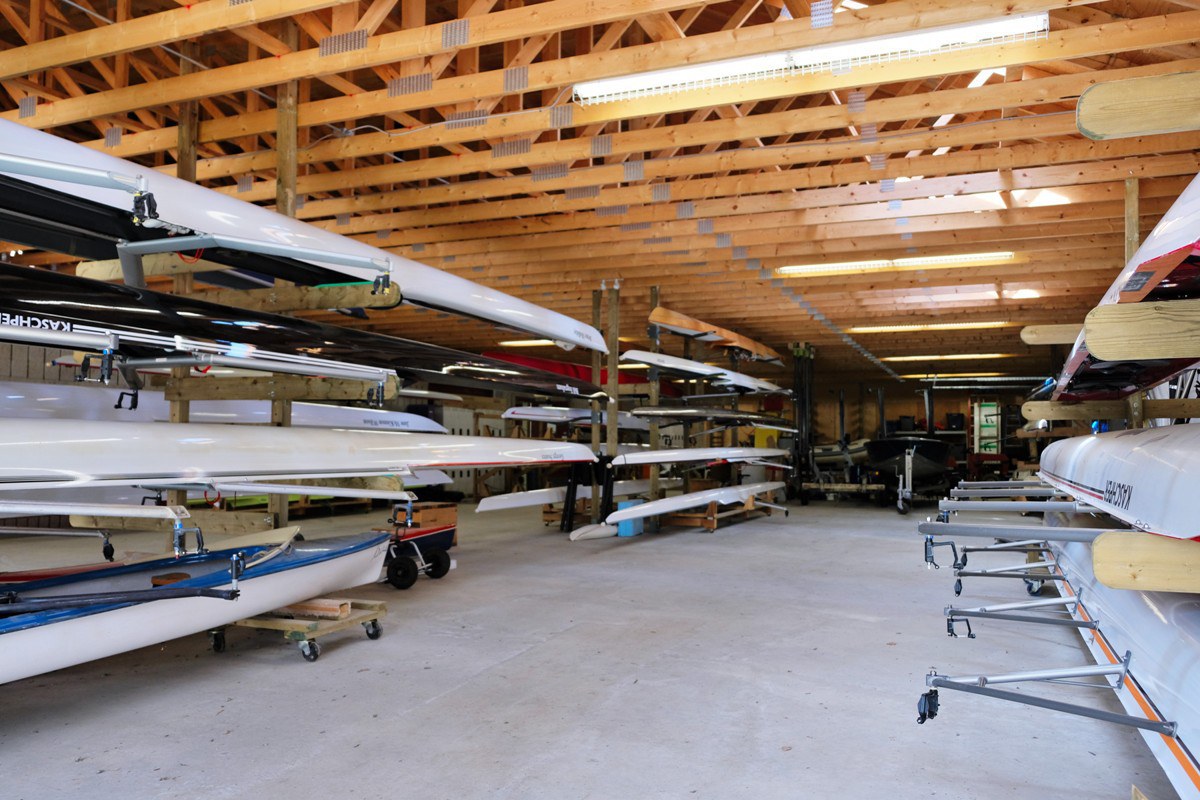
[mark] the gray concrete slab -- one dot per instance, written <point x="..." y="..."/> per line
<point x="778" y="658"/>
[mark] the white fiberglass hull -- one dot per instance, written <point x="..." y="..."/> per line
<point x="61" y="454"/>
<point x="35" y="651"/>
<point x="67" y="401"/>
<point x="558" y="494"/>
<point x="719" y="377"/>
<point x="1162" y="631"/>
<point x="724" y="495"/>
<point x="192" y="206"/>
<point x="1146" y="477"/>
<point x="690" y="454"/>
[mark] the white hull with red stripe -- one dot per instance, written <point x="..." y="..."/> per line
<point x="1162" y="631"/>
<point x="1146" y="477"/>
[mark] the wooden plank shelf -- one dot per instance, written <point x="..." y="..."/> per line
<point x="303" y="622"/>
<point x="711" y="517"/>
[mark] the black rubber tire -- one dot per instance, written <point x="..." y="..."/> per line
<point x="1034" y="588"/>
<point x="903" y="507"/>
<point x="217" y="640"/>
<point x="312" y="652"/>
<point x="402" y="572"/>
<point x="373" y="628"/>
<point x="439" y="563"/>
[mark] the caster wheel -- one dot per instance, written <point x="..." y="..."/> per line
<point x="402" y="572"/>
<point x="374" y="630"/>
<point x="903" y="507"/>
<point x="958" y="587"/>
<point x="310" y="650"/>
<point x="439" y="564"/>
<point x="109" y="551"/>
<point x="216" y="640"/>
<point x="1034" y="588"/>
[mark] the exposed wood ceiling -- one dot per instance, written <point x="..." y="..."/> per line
<point x="448" y="134"/>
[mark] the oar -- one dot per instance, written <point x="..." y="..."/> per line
<point x="11" y="605"/>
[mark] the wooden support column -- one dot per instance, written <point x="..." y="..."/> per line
<point x="277" y="504"/>
<point x="189" y="120"/>
<point x="287" y="132"/>
<point x="1132" y="218"/>
<point x="186" y="152"/>
<point x="655" y="435"/>
<point x="612" y="386"/>
<point x="596" y="323"/>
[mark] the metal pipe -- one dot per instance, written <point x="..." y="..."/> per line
<point x="1066" y="622"/>
<point x="1000" y="484"/>
<point x="314" y="367"/>
<point x="1165" y="728"/>
<point x="64" y="339"/>
<point x="21" y="508"/>
<point x="208" y="241"/>
<point x="1021" y="506"/>
<point x="1031" y="492"/>
<point x="52" y="170"/>
<point x="1022" y="606"/>
<point x="1054" y="674"/>
<point x="1086" y="535"/>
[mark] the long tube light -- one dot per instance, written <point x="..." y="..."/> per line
<point x="951" y="357"/>
<point x="914" y="262"/>
<point x="827" y="58"/>
<point x="931" y="326"/>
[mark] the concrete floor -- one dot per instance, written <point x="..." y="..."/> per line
<point x="780" y="658"/>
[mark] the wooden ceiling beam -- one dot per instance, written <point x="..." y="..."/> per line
<point x="551" y="16"/>
<point x="150" y="30"/>
<point x="696" y="132"/>
<point x="1009" y="157"/>
<point x="820" y="205"/>
<point x="895" y="17"/>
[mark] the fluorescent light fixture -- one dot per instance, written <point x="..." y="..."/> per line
<point x="951" y="357"/>
<point x="932" y="326"/>
<point x="959" y="260"/>
<point x="633" y="366"/>
<point x="527" y="343"/>
<point x="827" y="58"/>
<point x="933" y="376"/>
<point x="978" y="377"/>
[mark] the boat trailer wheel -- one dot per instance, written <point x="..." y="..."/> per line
<point x="439" y="564"/>
<point x="402" y="572"/>
<point x="310" y="650"/>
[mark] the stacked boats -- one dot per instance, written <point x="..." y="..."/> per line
<point x="1120" y="537"/>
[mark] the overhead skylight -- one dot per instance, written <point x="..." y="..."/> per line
<point x="827" y="58"/>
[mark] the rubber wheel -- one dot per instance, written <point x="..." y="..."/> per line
<point x="310" y="650"/>
<point x="439" y="563"/>
<point x="374" y="630"/>
<point x="903" y="507"/>
<point x="958" y="587"/>
<point x="1034" y="588"/>
<point x="402" y="572"/>
<point x="217" y="640"/>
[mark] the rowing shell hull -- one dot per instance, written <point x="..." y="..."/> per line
<point x="1146" y="477"/>
<point x="558" y="494"/>
<point x="46" y="454"/>
<point x="1162" y="631"/>
<point x="716" y="375"/>
<point x="192" y="206"/>
<point x="724" y="495"/>
<point x="67" y="638"/>
<point x="67" y="401"/>
<point x="690" y="454"/>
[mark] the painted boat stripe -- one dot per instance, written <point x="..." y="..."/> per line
<point x="1181" y="752"/>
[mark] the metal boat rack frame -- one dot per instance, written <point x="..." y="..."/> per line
<point x="1068" y="610"/>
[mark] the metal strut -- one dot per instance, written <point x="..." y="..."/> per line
<point x="980" y="685"/>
